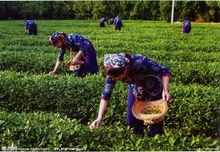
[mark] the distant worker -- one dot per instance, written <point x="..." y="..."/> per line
<point x="30" y="27"/>
<point x="117" y="23"/>
<point x="102" y="22"/>
<point x="111" y="21"/>
<point x="85" y="52"/>
<point x="186" y="25"/>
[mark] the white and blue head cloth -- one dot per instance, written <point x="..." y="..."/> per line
<point x="54" y="37"/>
<point x="115" y="61"/>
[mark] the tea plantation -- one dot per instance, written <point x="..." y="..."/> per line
<point x="38" y="110"/>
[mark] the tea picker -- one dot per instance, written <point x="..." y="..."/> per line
<point x="186" y="25"/>
<point x="111" y="21"/>
<point x="147" y="80"/>
<point x="30" y="27"/>
<point x="117" y="23"/>
<point x="84" y="62"/>
<point x="103" y="21"/>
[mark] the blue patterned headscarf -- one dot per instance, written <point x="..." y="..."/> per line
<point x="57" y="36"/>
<point x="54" y="37"/>
<point x="115" y="61"/>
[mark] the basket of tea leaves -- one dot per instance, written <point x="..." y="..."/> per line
<point x="150" y="112"/>
<point x="74" y="66"/>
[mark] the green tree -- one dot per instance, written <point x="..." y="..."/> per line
<point x="11" y="10"/>
<point x="201" y="10"/>
<point x="165" y="10"/>
<point x="33" y="9"/>
<point x="188" y="9"/>
<point x="99" y="9"/>
<point x="141" y="10"/>
<point x="150" y="10"/>
<point x="124" y="7"/>
<point x="213" y="10"/>
<point x="3" y="12"/>
<point x="155" y="10"/>
<point x="136" y="11"/>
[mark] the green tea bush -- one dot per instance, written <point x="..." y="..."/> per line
<point x="79" y="99"/>
<point x="37" y="110"/>
<point x="182" y="72"/>
<point x="53" y="131"/>
<point x="195" y="72"/>
<point x="31" y="62"/>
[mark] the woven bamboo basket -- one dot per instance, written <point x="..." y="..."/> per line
<point x="151" y="112"/>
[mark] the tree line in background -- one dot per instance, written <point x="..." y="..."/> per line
<point x="144" y="10"/>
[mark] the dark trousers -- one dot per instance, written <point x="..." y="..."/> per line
<point x="90" y="64"/>
<point x="101" y="24"/>
<point x="117" y="27"/>
<point x="186" y="30"/>
<point x="81" y="72"/>
<point x="32" y="29"/>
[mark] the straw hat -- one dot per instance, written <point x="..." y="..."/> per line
<point x="150" y="112"/>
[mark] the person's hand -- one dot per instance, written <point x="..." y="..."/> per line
<point x="165" y="96"/>
<point x="71" y="62"/>
<point x="74" y="61"/>
<point x="52" y="72"/>
<point x="95" y="124"/>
